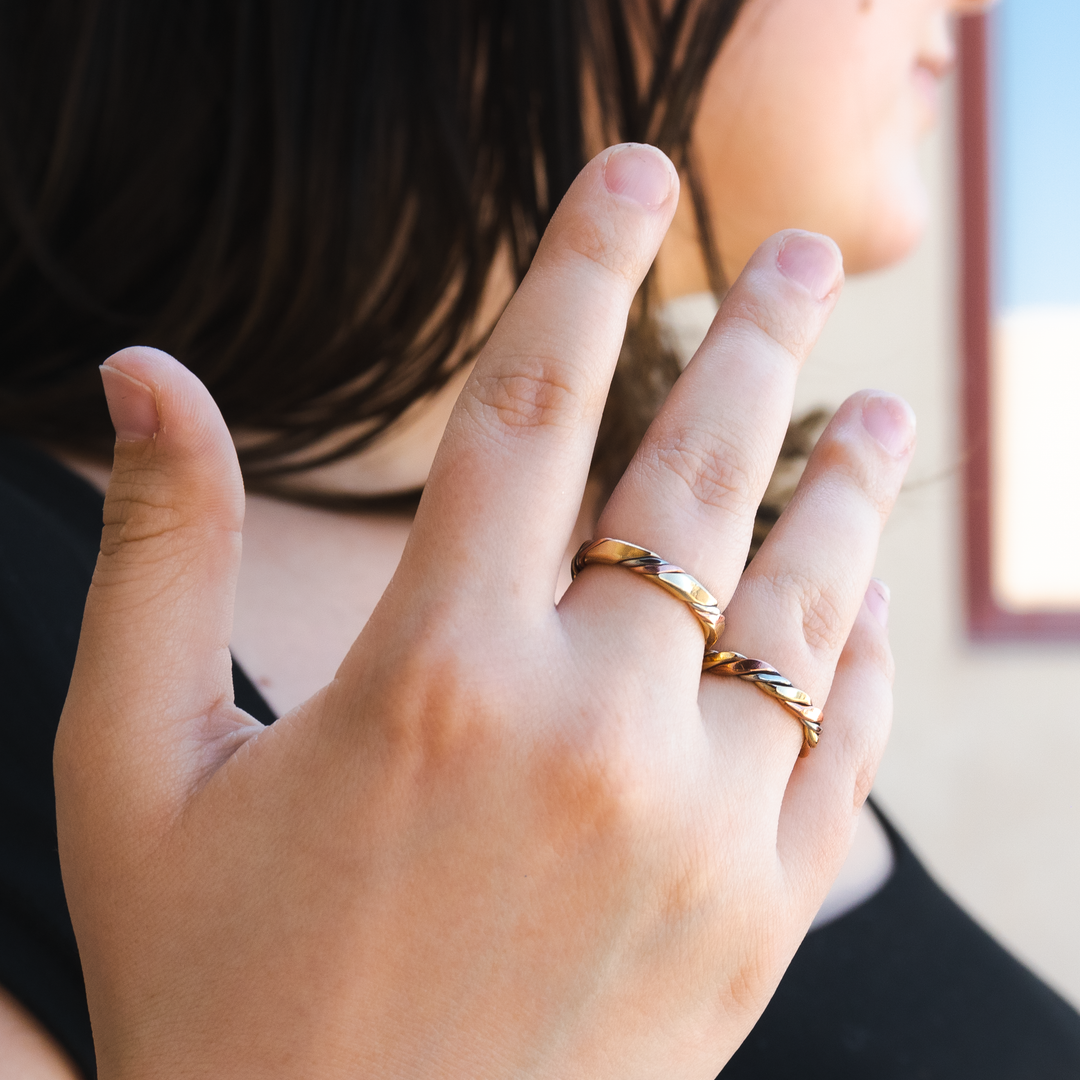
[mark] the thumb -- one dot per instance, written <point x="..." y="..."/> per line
<point x="149" y="709"/>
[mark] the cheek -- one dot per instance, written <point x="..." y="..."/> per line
<point x="896" y="210"/>
<point x="897" y="113"/>
<point x="896" y="196"/>
<point x="814" y="123"/>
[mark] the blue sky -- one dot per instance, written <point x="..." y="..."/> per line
<point x="1036" y="63"/>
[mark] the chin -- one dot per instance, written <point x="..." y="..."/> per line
<point x="893" y="225"/>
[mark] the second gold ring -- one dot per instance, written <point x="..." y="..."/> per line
<point x="611" y="552"/>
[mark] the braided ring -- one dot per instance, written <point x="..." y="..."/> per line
<point x="673" y="579"/>
<point x="706" y="608"/>
<point x="768" y="680"/>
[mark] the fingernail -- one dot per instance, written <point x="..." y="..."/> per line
<point x="812" y="261"/>
<point x="891" y="421"/>
<point x="641" y="173"/>
<point x="877" y="600"/>
<point x="132" y="405"/>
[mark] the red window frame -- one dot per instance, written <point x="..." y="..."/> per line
<point x="987" y="620"/>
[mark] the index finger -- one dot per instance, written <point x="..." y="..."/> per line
<point x="507" y="483"/>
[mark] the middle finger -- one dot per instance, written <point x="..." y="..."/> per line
<point x="694" y="485"/>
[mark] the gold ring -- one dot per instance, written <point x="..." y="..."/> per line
<point x="767" y="679"/>
<point x="685" y="587"/>
<point x="673" y="579"/>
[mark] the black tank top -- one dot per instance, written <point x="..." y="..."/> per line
<point x="905" y="986"/>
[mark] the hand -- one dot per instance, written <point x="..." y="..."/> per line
<point x="510" y="838"/>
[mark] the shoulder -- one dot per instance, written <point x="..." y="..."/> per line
<point x="49" y="530"/>
<point x="50" y="527"/>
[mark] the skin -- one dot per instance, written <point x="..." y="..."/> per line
<point x="497" y="869"/>
<point x="295" y="619"/>
<point x="811" y="119"/>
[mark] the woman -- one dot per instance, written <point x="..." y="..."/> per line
<point x="501" y="838"/>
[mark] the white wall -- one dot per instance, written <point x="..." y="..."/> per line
<point x="983" y="769"/>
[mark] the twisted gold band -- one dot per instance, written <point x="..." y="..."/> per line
<point x="673" y="579"/>
<point x="683" y="586"/>
<point x="767" y="679"/>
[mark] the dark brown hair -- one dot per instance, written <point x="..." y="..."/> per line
<point x="302" y="200"/>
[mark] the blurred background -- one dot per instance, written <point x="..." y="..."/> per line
<point x="980" y="331"/>
<point x="981" y="773"/>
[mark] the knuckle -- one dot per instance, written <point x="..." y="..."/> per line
<point x="598" y="781"/>
<point x="690" y="889"/>
<point x="600" y="791"/>
<point x="745" y="985"/>
<point x="752" y="327"/>
<point x="865" y="745"/>
<point x="444" y="702"/>
<point x="887" y="663"/>
<point x="879" y="654"/>
<point x="437" y="713"/>
<point x="532" y="396"/>
<point x="843" y="457"/>
<point x="132" y="518"/>
<point x="160" y="534"/>
<point x="446" y="717"/>
<point x="865" y="772"/>
<point x="868" y="652"/>
<point x="708" y="466"/>
<point x="866" y="731"/>
<point x="601" y="244"/>
<point x="597" y="773"/>
<point x="823" y="624"/>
